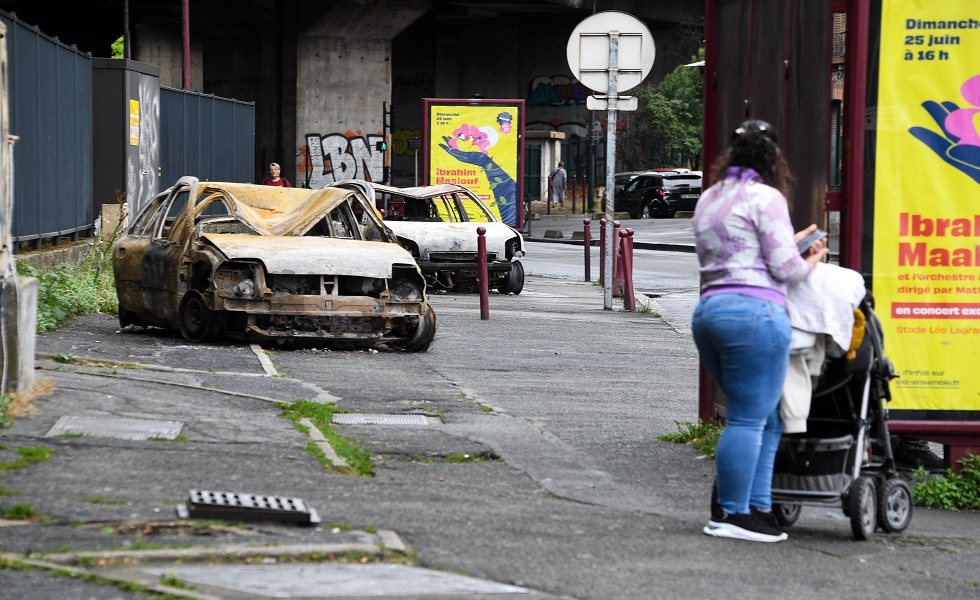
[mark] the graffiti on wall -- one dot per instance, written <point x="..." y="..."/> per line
<point x="400" y="138"/>
<point x="333" y="157"/>
<point x="556" y="90"/>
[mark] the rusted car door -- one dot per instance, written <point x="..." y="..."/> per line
<point x="128" y="261"/>
<point x="161" y="258"/>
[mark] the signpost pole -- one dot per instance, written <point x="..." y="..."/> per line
<point x="613" y="99"/>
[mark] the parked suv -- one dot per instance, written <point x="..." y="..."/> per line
<point x="659" y="194"/>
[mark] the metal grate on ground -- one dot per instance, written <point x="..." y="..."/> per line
<point x="382" y="419"/>
<point x="118" y="428"/>
<point x="203" y="504"/>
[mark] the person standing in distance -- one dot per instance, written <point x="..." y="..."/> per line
<point x="275" y="178"/>
<point x="748" y="255"/>
<point x="558" y="178"/>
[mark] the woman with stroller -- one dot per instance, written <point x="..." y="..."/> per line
<point x="748" y="255"/>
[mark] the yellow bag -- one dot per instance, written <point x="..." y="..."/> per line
<point x="857" y="334"/>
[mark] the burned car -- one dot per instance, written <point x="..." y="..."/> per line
<point x="270" y="264"/>
<point x="438" y="226"/>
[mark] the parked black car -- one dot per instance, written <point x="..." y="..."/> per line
<point x="659" y="194"/>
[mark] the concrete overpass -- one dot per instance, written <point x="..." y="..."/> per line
<point x="320" y="71"/>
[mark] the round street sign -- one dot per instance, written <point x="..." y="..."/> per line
<point x="588" y="50"/>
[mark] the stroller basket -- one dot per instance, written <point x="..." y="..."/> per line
<point x="816" y="466"/>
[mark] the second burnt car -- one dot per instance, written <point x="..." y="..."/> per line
<point x="270" y="264"/>
<point x="437" y="224"/>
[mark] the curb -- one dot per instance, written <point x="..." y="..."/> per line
<point x="689" y="248"/>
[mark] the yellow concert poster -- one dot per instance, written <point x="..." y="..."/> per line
<point x="927" y="203"/>
<point x="477" y="146"/>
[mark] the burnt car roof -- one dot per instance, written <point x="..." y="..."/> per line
<point x="272" y="210"/>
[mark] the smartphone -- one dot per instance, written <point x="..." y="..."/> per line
<point x="805" y="243"/>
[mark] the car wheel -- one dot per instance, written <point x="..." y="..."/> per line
<point x="194" y="318"/>
<point x="861" y="507"/>
<point x="419" y="339"/>
<point x="514" y="282"/>
<point x="894" y="505"/>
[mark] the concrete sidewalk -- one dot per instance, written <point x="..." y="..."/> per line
<point x="535" y="472"/>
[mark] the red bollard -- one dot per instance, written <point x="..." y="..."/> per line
<point x="587" y="237"/>
<point x="482" y="275"/>
<point x="616" y="274"/>
<point x="602" y="252"/>
<point x="629" y="299"/>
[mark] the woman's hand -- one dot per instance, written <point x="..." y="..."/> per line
<point x="817" y="251"/>
<point x="818" y="245"/>
<point x="816" y="256"/>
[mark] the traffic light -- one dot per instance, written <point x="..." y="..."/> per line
<point x="381" y="146"/>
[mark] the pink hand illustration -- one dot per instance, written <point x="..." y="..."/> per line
<point x="959" y="143"/>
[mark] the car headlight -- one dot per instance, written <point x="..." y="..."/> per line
<point x="406" y="285"/>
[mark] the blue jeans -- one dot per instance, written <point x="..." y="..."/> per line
<point x="744" y="344"/>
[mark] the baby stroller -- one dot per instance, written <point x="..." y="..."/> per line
<point x="845" y="457"/>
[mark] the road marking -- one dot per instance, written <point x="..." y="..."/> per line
<point x="267" y="366"/>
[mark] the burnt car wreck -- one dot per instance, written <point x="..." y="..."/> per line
<point x="270" y="265"/>
<point x="438" y="225"/>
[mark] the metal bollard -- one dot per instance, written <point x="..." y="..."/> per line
<point x="548" y="204"/>
<point x="482" y="275"/>
<point x="616" y="275"/>
<point x="587" y="237"/>
<point x="629" y="299"/>
<point x="602" y="252"/>
<point x="574" y="194"/>
<point x="572" y="182"/>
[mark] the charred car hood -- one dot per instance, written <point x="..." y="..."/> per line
<point x="309" y="255"/>
<point x="454" y="237"/>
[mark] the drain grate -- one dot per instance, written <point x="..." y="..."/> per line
<point x="203" y="504"/>
<point x="123" y="429"/>
<point x="379" y="419"/>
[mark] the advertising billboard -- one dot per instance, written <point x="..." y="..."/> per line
<point x="477" y="144"/>
<point x="927" y="205"/>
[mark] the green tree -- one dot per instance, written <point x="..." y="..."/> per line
<point x="118" y="47"/>
<point x="673" y="112"/>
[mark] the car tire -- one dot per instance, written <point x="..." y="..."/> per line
<point x="195" y="319"/>
<point x="422" y="336"/>
<point x="514" y="282"/>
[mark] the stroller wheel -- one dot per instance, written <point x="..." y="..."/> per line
<point x="861" y="507"/>
<point x="894" y="505"/>
<point x="786" y="514"/>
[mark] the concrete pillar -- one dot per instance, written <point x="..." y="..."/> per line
<point x="19" y="328"/>
<point x="343" y="80"/>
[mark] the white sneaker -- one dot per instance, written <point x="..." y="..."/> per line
<point x="743" y="527"/>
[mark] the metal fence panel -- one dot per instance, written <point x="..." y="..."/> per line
<point x="205" y="136"/>
<point x="51" y="113"/>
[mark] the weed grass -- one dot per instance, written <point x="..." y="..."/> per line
<point x="18" y="512"/>
<point x="29" y="455"/>
<point x="949" y="491"/>
<point x="703" y="437"/>
<point x="321" y="415"/>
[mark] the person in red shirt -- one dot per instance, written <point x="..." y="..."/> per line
<point x="274" y="178"/>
